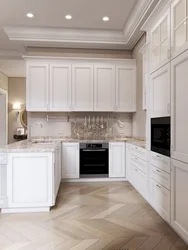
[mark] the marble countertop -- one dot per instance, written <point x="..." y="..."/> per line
<point x="26" y="146"/>
<point x="49" y="144"/>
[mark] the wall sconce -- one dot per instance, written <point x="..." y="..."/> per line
<point x="17" y="108"/>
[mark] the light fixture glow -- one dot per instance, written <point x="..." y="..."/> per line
<point x="68" y="17"/>
<point x="16" y="106"/>
<point x="30" y="15"/>
<point x="106" y="18"/>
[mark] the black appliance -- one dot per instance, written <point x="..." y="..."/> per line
<point x="94" y="159"/>
<point x="160" y="135"/>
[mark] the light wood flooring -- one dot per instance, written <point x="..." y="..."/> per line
<point x="92" y="216"/>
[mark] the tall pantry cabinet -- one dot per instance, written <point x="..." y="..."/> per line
<point x="167" y="36"/>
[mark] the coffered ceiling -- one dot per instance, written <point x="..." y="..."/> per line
<point x="86" y="29"/>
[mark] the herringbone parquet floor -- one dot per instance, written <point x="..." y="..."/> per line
<point x="92" y="216"/>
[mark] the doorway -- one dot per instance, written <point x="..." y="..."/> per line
<point x="3" y="117"/>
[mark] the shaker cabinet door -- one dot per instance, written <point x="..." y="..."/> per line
<point x="104" y="90"/>
<point x="60" y="87"/>
<point x="82" y="87"/>
<point x="37" y="87"/>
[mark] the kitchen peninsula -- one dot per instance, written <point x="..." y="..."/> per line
<point x="33" y="170"/>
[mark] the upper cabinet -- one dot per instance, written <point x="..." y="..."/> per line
<point x="160" y="42"/>
<point x="179" y="26"/>
<point x="160" y="92"/>
<point x="82" y="87"/>
<point x="37" y="90"/>
<point x="126" y="88"/>
<point x="104" y="93"/>
<point x="179" y="104"/>
<point x="62" y="85"/>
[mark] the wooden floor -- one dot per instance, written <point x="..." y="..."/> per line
<point x="94" y="216"/>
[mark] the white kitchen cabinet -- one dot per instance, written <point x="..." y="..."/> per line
<point x="126" y="87"/>
<point x="57" y="170"/>
<point x="179" y="27"/>
<point x="139" y="180"/>
<point x="179" y="104"/>
<point x="160" y="92"/>
<point x="30" y="180"/>
<point x="60" y="87"/>
<point x="104" y="87"/>
<point x="37" y="86"/>
<point x="144" y="52"/>
<point x="82" y="87"/>
<point x="117" y="159"/>
<point x="160" y="200"/>
<point x="70" y="160"/>
<point x="160" y="42"/>
<point x="128" y="166"/>
<point x="179" y="201"/>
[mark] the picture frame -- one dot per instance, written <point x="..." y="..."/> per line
<point x="20" y="131"/>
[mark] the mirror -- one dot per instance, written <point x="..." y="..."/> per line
<point x="23" y="118"/>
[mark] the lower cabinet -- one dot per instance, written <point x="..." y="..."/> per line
<point x="160" y="200"/>
<point x="117" y="159"/>
<point x="70" y="160"/>
<point x="30" y="180"/>
<point x="179" y="200"/>
<point x="57" y="170"/>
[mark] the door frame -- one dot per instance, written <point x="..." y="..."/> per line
<point x="5" y="92"/>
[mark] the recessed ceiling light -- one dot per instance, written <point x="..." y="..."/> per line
<point x="105" y="18"/>
<point x="30" y="15"/>
<point x="68" y="17"/>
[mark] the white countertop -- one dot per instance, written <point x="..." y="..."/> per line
<point x="51" y="143"/>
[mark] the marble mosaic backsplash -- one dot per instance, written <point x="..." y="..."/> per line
<point x="81" y="125"/>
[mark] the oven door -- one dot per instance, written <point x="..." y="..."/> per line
<point x="93" y="161"/>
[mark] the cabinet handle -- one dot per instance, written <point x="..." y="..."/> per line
<point x="158" y="186"/>
<point x="136" y="158"/>
<point x="158" y="156"/>
<point x="158" y="171"/>
<point x="136" y="169"/>
<point x="136" y="148"/>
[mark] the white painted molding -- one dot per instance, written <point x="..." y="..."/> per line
<point x="84" y="38"/>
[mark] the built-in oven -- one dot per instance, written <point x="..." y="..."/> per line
<point x="94" y="159"/>
<point x="160" y="135"/>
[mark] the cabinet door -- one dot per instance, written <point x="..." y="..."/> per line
<point x="60" y="87"/>
<point x="179" y="201"/>
<point x="37" y="87"/>
<point x="160" y="42"/>
<point x="30" y="180"/>
<point x="139" y="181"/>
<point x="117" y="159"/>
<point x="160" y="92"/>
<point x="126" y="88"/>
<point x="179" y="102"/>
<point x="104" y="93"/>
<point x="179" y="27"/>
<point x="160" y="200"/>
<point x="70" y="164"/>
<point x="82" y="87"/>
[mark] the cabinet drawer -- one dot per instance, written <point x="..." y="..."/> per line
<point x="139" y="163"/>
<point x="139" y="180"/>
<point x="160" y="161"/>
<point x="160" y="200"/>
<point x="139" y="152"/>
<point x="160" y="176"/>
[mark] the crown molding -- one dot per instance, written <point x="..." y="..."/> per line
<point x="82" y="38"/>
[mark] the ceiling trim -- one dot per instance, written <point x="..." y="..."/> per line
<point x="84" y="38"/>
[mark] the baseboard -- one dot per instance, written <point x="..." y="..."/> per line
<point x="24" y="210"/>
<point x="94" y="180"/>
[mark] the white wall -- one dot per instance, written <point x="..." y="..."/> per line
<point x="139" y="118"/>
<point x="2" y="119"/>
<point x="16" y="94"/>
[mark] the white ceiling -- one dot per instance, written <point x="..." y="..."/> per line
<point x="49" y="28"/>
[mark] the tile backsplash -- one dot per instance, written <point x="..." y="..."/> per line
<point x="81" y="125"/>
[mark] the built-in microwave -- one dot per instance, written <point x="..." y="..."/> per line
<point x="160" y="135"/>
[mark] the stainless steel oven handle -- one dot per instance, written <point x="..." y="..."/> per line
<point x="93" y="150"/>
